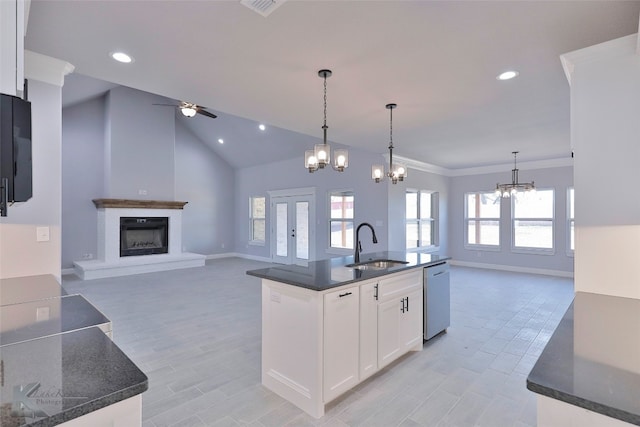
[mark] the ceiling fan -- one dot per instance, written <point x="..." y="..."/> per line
<point x="189" y="109"/>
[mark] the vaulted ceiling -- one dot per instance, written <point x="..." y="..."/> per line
<point x="438" y="60"/>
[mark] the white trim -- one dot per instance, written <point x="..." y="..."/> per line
<point x="239" y="255"/>
<point x="292" y="192"/>
<point x="599" y="52"/>
<point x="45" y="68"/>
<point x="67" y="271"/>
<point x="513" y="268"/>
<point x="481" y="170"/>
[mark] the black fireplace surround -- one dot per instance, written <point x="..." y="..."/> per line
<point x="144" y="236"/>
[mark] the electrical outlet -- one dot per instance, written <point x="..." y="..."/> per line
<point x="222" y="245"/>
<point x="142" y="192"/>
<point x="42" y="313"/>
<point x="42" y="234"/>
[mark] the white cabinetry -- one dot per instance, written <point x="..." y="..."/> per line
<point x="399" y="316"/>
<point x="317" y="345"/>
<point x="368" y="329"/>
<point x="341" y="313"/>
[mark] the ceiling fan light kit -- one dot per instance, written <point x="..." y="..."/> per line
<point x="508" y="190"/>
<point x="320" y="156"/>
<point x="189" y="109"/>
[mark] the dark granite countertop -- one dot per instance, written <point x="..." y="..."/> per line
<point x="331" y="273"/>
<point x="593" y="358"/>
<point x="51" y="380"/>
<point x="67" y="313"/>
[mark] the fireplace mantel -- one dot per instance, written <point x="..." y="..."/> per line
<point x="137" y="204"/>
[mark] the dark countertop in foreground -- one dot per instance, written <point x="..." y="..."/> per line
<point x="59" y="369"/>
<point x="331" y="273"/>
<point x="593" y="358"/>
<point x="66" y="376"/>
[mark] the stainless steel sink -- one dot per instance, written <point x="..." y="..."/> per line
<point x="377" y="264"/>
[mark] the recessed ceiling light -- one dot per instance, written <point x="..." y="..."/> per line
<point x="261" y="126"/>
<point x="221" y="141"/>
<point x="508" y="75"/>
<point x="121" y="57"/>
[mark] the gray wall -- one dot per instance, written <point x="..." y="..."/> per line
<point x="83" y="136"/>
<point x="208" y="183"/>
<point x="185" y="169"/>
<point x="418" y="180"/>
<point x="559" y="179"/>
<point x="140" y="146"/>
<point x="370" y="198"/>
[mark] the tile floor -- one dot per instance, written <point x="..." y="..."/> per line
<point x="196" y="334"/>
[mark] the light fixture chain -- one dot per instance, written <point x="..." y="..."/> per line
<point x="325" y="100"/>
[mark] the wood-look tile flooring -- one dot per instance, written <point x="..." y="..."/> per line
<point x="196" y="334"/>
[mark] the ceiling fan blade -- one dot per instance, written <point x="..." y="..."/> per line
<point x="204" y="112"/>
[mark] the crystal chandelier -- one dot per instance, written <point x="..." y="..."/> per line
<point x="397" y="172"/>
<point x="320" y="156"/>
<point x="508" y="190"/>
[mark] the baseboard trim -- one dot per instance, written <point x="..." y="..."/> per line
<point x="239" y="255"/>
<point x="513" y="268"/>
<point x="67" y="271"/>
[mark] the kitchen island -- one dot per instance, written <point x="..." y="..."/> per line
<point x="331" y="324"/>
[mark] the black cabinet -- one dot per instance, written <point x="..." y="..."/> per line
<point x="15" y="151"/>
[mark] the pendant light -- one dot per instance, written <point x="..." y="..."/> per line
<point x="397" y="172"/>
<point x="508" y="190"/>
<point x="320" y="156"/>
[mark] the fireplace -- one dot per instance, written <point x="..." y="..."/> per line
<point x="144" y="236"/>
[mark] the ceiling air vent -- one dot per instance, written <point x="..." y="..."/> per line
<point x="263" y="7"/>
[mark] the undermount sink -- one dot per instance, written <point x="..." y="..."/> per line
<point x="377" y="264"/>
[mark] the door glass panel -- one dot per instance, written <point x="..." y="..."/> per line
<point x="302" y="230"/>
<point x="282" y="231"/>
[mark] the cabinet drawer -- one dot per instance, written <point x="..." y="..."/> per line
<point x="400" y="285"/>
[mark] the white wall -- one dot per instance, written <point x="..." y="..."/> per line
<point x="605" y="134"/>
<point x="20" y="253"/>
<point x="559" y="178"/>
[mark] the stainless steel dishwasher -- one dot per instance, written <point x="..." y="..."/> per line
<point x="437" y="300"/>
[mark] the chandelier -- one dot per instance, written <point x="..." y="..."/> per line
<point x="508" y="190"/>
<point x="397" y="172"/>
<point x="320" y="156"/>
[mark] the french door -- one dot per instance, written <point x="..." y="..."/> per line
<point x="292" y="237"/>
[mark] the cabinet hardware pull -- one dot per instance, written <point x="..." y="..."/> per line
<point x="375" y="292"/>
<point x="407" y="303"/>
<point x="439" y="273"/>
<point x="344" y="295"/>
<point x="402" y="308"/>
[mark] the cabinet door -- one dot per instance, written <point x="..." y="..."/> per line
<point x="389" y="344"/>
<point x="368" y="329"/>
<point x="341" y="329"/>
<point x="411" y="322"/>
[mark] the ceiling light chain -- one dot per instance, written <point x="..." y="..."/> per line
<point x="508" y="190"/>
<point x="320" y="156"/>
<point x="397" y="172"/>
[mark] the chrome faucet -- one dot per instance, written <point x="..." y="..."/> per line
<point x="356" y="257"/>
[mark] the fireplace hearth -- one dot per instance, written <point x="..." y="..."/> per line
<point x="144" y="236"/>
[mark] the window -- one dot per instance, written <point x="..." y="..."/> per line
<point x="482" y="220"/>
<point x="341" y="219"/>
<point x="532" y="217"/>
<point x="257" y="220"/>
<point x="421" y="221"/>
<point x="571" y="221"/>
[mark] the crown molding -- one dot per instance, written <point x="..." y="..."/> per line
<point x="481" y="170"/>
<point x="599" y="52"/>
<point x="45" y="68"/>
